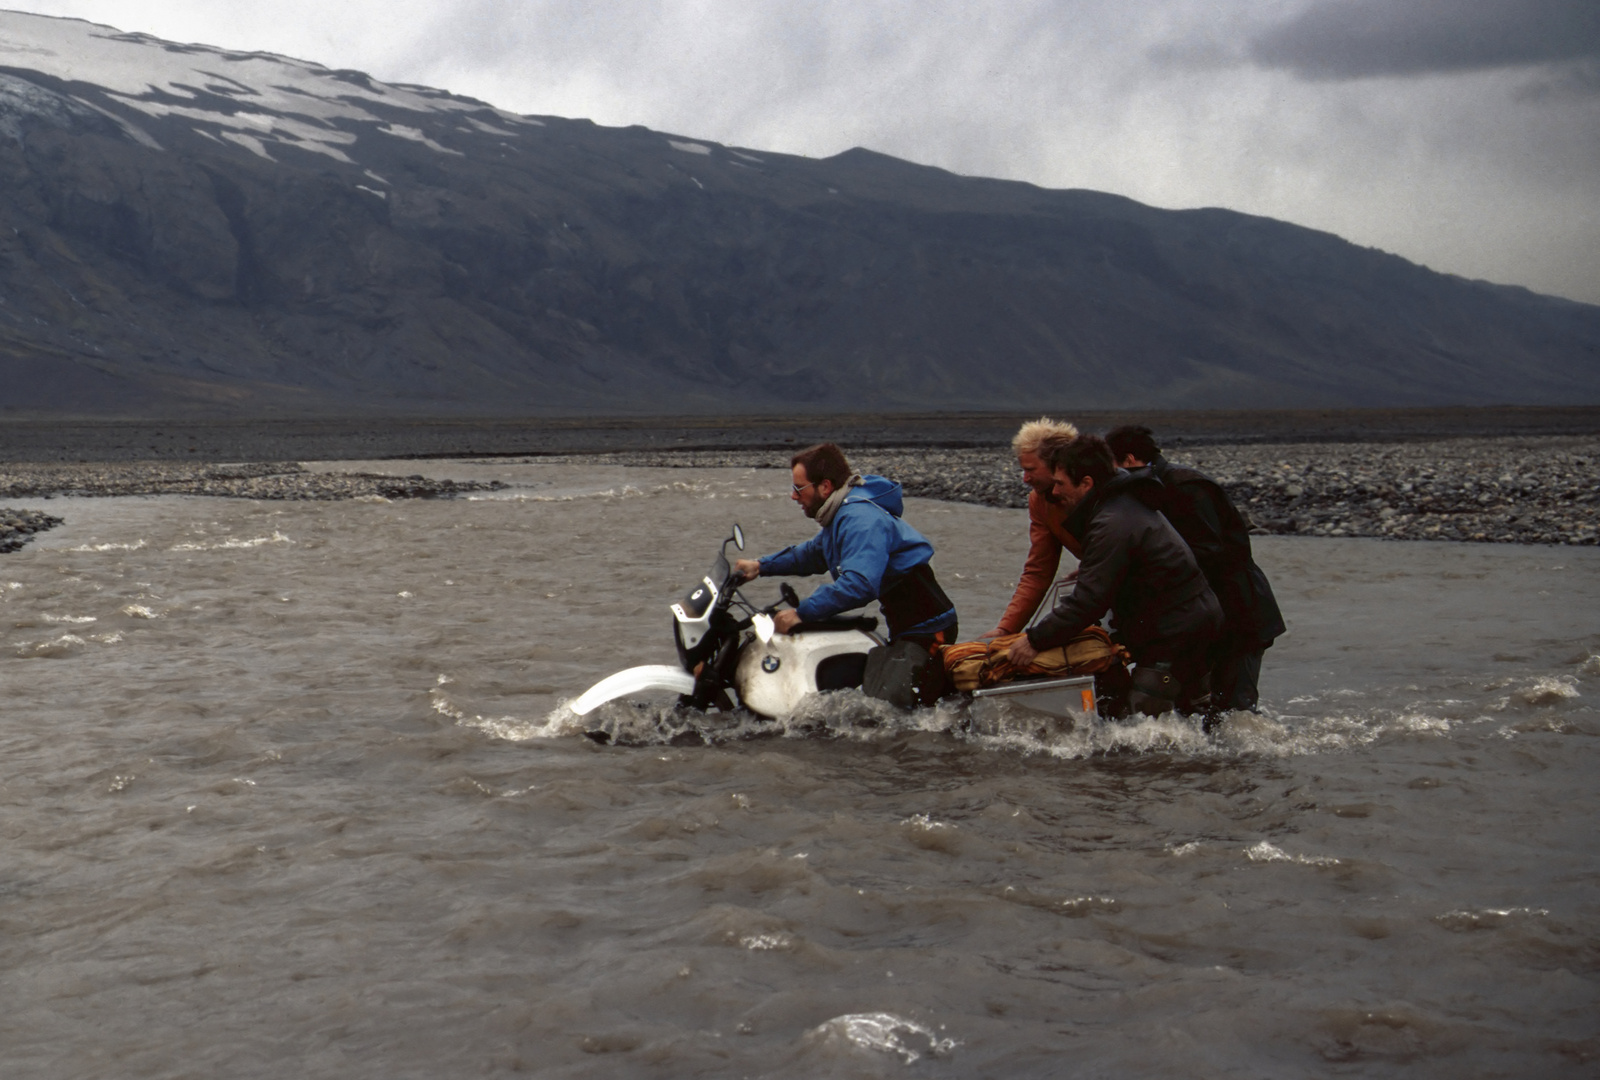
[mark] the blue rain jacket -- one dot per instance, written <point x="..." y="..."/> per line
<point x="866" y="548"/>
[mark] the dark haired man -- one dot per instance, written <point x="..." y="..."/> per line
<point x="863" y="543"/>
<point x="1219" y="536"/>
<point x="1136" y="565"/>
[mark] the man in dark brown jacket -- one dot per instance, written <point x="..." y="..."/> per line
<point x="1219" y="536"/>
<point x="1135" y="565"/>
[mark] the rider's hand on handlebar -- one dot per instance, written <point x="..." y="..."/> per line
<point x="785" y="621"/>
<point x="748" y="569"/>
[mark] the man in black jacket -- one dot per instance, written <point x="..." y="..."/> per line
<point x="1135" y="564"/>
<point x="1219" y="536"/>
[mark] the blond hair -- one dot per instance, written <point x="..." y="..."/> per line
<point x="1032" y="434"/>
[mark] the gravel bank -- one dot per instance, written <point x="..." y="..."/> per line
<point x="1542" y="489"/>
<point x="261" y="480"/>
<point x="1503" y="490"/>
<point x="264" y="480"/>
<point x="17" y="527"/>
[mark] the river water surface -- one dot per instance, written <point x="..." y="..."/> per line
<point x="289" y="789"/>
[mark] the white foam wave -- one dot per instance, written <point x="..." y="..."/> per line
<point x="926" y="823"/>
<point x="1549" y="690"/>
<point x="65" y="645"/>
<point x="139" y="611"/>
<point x="75" y="620"/>
<point x="1423" y="723"/>
<point x="778" y="942"/>
<point x="494" y="793"/>
<point x="1267" y="852"/>
<point x="507" y="728"/>
<point x="1076" y="907"/>
<point x="234" y="544"/>
<point x="626" y="491"/>
<point x="884" y="1033"/>
<point x="135" y="546"/>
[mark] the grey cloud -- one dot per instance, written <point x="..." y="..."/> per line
<point x="1353" y="39"/>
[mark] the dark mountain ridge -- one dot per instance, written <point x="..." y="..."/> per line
<point x="187" y="230"/>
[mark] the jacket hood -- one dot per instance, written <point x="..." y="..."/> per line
<point x="878" y="489"/>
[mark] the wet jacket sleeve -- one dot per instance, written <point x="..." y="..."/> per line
<point x="1044" y="559"/>
<point x="796" y="560"/>
<point x="863" y="537"/>
<point x="1107" y="552"/>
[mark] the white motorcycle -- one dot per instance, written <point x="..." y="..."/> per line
<point x="730" y="656"/>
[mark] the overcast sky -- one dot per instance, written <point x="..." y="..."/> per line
<point x="1462" y="134"/>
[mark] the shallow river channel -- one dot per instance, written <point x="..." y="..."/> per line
<point x="288" y="789"/>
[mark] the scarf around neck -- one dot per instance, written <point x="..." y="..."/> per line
<point x="830" y="507"/>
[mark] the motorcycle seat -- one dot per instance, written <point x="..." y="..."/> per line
<point x="865" y="623"/>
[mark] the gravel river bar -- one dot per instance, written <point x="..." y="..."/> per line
<point x="1507" y="475"/>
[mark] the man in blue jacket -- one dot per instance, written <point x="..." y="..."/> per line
<point x="863" y="543"/>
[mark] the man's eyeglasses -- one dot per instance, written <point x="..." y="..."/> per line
<point x="798" y="488"/>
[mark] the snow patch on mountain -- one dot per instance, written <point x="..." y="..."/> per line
<point x="400" y="131"/>
<point x="257" y="99"/>
<point x="251" y="128"/>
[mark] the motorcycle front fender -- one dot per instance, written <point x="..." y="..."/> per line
<point x="632" y="681"/>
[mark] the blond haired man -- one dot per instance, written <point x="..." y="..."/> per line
<point x="1047" y="523"/>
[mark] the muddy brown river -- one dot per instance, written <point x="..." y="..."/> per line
<point x="288" y="789"/>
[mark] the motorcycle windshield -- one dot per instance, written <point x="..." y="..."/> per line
<point x="720" y="569"/>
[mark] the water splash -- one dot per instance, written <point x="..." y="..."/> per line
<point x="506" y="728"/>
<point x="1266" y="852"/>
<point x="884" y="1033"/>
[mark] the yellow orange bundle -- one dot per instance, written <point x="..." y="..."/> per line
<point x="973" y="664"/>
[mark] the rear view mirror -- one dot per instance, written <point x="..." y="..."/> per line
<point x="738" y="536"/>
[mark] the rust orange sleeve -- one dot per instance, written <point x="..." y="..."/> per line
<point x="1039" y="571"/>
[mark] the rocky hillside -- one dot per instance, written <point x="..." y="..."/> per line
<point x="188" y="230"/>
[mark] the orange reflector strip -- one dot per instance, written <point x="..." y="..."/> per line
<point x="1088" y="700"/>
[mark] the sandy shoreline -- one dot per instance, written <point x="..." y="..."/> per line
<point x="1508" y="489"/>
